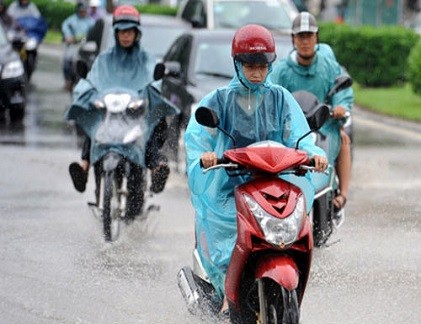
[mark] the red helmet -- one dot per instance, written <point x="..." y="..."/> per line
<point x="253" y="44"/>
<point x="126" y="16"/>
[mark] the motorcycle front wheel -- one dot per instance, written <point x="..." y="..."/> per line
<point x="265" y="301"/>
<point x="281" y="305"/>
<point x="110" y="203"/>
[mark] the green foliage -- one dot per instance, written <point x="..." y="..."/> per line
<point x="414" y="68"/>
<point x="374" y="56"/>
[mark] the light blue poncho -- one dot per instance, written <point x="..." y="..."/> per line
<point x="267" y="112"/>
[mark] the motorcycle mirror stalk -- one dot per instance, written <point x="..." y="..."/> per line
<point x="207" y="117"/>
<point x="341" y="82"/>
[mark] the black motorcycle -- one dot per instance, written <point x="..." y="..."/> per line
<point x="12" y="83"/>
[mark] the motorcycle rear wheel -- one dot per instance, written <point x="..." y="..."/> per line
<point x="110" y="218"/>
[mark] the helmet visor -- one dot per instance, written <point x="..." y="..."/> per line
<point x="256" y="58"/>
<point x="124" y="25"/>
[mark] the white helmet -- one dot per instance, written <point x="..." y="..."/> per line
<point x="95" y="3"/>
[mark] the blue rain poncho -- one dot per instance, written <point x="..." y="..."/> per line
<point x="77" y="27"/>
<point x="318" y="78"/>
<point x="118" y="69"/>
<point x="267" y="112"/>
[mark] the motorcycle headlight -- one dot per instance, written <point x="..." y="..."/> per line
<point x="116" y="103"/>
<point x="12" y="69"/>
<point x="278" y="231"/>
<point x="31" y="44"/>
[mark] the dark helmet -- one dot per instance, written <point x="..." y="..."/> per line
<point x="126" y="17"/>
<point x="253" y="44"/>
<point x="304" y="23"/>
<point x="23" y="4"/>
<point x="81" y="6"/>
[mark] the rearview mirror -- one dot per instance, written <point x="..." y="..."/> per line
<point x="317" y="120"/>
<point x="207" y="117"/>
<point x="159" y="71"/>
<point x="341" y="82"/>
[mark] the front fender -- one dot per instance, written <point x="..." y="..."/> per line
<point x="110" y="161"/>
<point x="280" y="268"/>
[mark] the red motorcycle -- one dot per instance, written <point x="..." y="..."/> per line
<point x="270" y="263"/>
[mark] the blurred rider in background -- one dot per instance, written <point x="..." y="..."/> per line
<point x="74" y="30"/>
<point x="23" y="8"/>
<point x="96" y="11"/>
<point x="125" y="65"/>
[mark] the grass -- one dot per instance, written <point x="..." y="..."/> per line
<point x="399" y="102"/>
<point x="53" y="37"/>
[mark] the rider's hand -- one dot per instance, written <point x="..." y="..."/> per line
<point x="69" y="40"/>
<point x="208" y="159"/>
<point x="320" y="163"/>
<point x="339" y="112"/>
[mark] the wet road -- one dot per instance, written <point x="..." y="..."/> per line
<point x="55" y="268"/>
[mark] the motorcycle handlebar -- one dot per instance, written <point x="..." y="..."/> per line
<point x="219" y="162"/>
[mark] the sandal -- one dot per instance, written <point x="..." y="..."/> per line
<point x="339" y="203"/>
<point x="79" y="176"/>
<point x="224" y="316"/>
<point x="159" y="178"/>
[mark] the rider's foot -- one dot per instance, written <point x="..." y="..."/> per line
<point x="79" y="176"/>
<point x="224" y="313"/>
<point x="159" y="177"/>
<point x="339" y="202"/>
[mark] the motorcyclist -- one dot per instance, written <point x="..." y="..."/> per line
<point x="308" y="69"/>
<point x="251" y="109"/>
<point x="125" y="65"/>
<point x="96" y="11"/>
<point x="74" y="29"/>
<point x="23" y="8"/>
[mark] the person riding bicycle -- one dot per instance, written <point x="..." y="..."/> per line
<point x="125" y="65"/>
<point x="251" y="109"/>
<point x="307" y="68"/>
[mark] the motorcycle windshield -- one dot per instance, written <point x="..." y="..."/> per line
<point x="267" y="156"/>
<point x="118" y="129"/>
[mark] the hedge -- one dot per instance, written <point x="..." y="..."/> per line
<point x="374" y="56"/>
